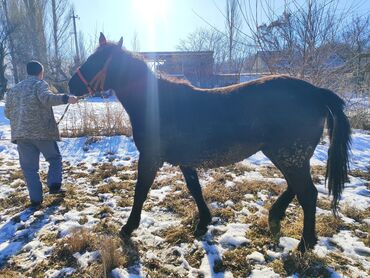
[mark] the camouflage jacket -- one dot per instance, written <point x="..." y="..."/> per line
<point x="28" y="106"/>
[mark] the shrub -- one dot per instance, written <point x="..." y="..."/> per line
<point x="86" y="119"/>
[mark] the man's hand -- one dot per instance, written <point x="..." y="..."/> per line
<point x="72" y="100"/>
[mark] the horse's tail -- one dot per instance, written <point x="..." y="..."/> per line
<point x="340" y="140"/>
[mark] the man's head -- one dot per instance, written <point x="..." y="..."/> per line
<point x="35" y="68"/>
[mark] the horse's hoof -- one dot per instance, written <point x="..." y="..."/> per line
<point x="274" y="226"/>
<point x="200" y="231"/>
<point x="304" y="245"/>
<point x="125" y="232"/>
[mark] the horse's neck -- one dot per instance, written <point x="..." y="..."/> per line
<point x="136" y="89"/>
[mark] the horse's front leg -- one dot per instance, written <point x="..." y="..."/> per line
<point x="147" y="170"/>
<point x="192" y="182"/>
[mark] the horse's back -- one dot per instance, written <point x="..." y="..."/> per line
<point x="216" y="127"/>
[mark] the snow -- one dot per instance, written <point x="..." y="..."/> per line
<point x="160" y="193"/>
<point x="256" y="256"/>
<point x="122" y="273"/>
<point x="85" y="259"/>
<point x="352" y="247"/>
<point x="288" y="243"/>
<point x="234" y="235"/>
<point x="213" y="254"/>
<point x="264" y="273"/>
<point x="64" y="272"/>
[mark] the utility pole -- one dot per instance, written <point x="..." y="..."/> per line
<point x="74" y="17"/>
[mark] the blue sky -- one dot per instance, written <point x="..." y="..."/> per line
<point x="160" y="24"/>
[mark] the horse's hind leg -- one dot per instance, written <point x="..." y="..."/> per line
<point x="147" y="169"/>
<point x="277" y="211"/>
<point x="294" y="164"/>
<point x="307" y="197"/>
<point x="193" y="185"/>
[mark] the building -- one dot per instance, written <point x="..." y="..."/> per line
<point x="194" y="66"/>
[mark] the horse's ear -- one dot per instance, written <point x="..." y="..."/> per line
<point x="120" y="42"/>
<point x="102" y="39"/>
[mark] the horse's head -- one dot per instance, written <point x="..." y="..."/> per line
<point x="92" y="75"/>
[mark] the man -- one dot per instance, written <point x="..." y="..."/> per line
<point x="33" y="128"/>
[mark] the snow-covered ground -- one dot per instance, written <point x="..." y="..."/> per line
<point x="25" y="245"/>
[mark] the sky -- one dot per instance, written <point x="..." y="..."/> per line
<point x="159" y="25"/>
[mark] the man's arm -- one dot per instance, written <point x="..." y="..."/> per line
<point x="47" y="98"/>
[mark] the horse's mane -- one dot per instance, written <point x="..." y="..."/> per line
<point x="138" y="58"/>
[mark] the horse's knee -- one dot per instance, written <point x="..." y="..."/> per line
<point x="308" y="197"/>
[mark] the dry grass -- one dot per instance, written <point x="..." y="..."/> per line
<point x="361" y="174"/>
<point x="178" y="235"/>
<point x="16" y="174"/>
<point x="318" y="173"/>
<point x="292" y="224"/>
<point x="5" y="273"/>
<point x="49" y="238"/>
<point x="104" y="171"/>
<point x="338" y="262"/>
<point x="104" y="212"/>
<point x="180" y="203"/>
<point x="357" y="214"/>
<point x="80" y="240"/>
<point x="259" y="232"/>
<point x="83" y="220"/>
<point x="107" y="226"/>
<point x="324" y="203"/>
<point x="237" y="169"/>
<point x="126" y="201"/>
<point x="111" y="254"/>
<point x="235" y="261"/>
<point x="156" y="270"/>
<point x="13" y="200"/>
<point x="328" y="225"/>
<point x="278" y="266"/>
<point x="270" y="172"/>
<point x="85" y="120"/>
<point x="305" y="265"/>
<point x="117" y="187"/>
<point x="73" y="199"/>
<point x="194" y="257"/>
<point x="225" y="214"/>
<point x="217" y="192"/>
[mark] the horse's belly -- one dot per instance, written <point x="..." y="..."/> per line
<point x="211" y="157"/>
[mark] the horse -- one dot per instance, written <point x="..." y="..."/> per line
<point x="190" y="127"/>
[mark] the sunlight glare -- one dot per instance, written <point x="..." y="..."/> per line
<point x="151" y="10"/>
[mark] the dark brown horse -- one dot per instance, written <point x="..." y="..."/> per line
<point x="177" y="123"/>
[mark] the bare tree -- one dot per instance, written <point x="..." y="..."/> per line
<point x="61" y="11"/>
<point x="304" y="40"/>
<point x="28" y="39"/>
<point x="34" y="18"/>
<point x="6" y="23"/>
<point x="5" y="32"/>
<point x="233" y="25"/>
<point x="204" y="39"/>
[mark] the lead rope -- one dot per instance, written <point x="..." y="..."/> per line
<point x="64" y="113"/>
<point x="66" y="109"/>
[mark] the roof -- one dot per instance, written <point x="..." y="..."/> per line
<point x="166" y="54"/>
